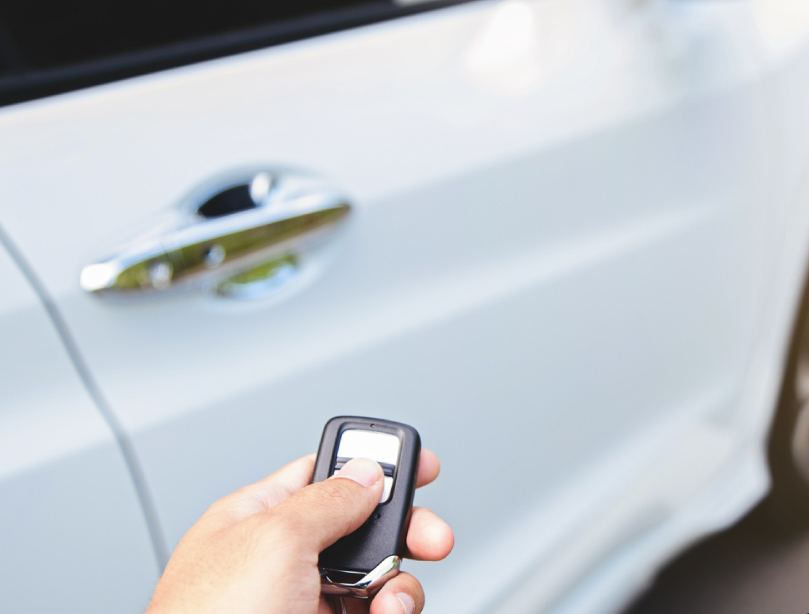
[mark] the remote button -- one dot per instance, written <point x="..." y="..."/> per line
<point x="381" y="447"/>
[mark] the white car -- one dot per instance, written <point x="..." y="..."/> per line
<point x="566" y="240"/>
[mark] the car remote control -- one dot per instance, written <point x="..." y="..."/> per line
<point x="360" y="563"/>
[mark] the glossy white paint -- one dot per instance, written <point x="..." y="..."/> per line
<point x="72" y="534"/>
<point x="577" y="245"/>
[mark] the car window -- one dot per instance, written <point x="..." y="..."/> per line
<point x="52" y="46"/>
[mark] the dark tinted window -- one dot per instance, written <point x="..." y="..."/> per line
<point x="51" y="46"/>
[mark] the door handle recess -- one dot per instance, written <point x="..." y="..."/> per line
<point x="239" y="235"/>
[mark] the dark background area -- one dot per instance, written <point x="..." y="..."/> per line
<point x="758" y="566"/>
<point x="58" y="33"/>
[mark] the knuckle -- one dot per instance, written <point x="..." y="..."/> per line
<point x="283" y="526"/>
<point x="280" y="532"/>
<point x="337" y="493"/>
<point x="337" y="500"/>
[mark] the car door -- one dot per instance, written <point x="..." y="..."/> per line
<point x="551" y="268"/>
<point x="73" y="536"/>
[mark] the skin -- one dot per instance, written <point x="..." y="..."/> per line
<point x="255" y="551"/>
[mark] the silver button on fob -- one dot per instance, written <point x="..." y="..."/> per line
<point x="360" y="563"/>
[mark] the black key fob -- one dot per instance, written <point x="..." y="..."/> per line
<point x="360" y="563"/>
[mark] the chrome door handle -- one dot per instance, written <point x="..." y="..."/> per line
<point x="229" y="235"/>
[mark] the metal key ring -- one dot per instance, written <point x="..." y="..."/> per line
<point x="334" y="600"/>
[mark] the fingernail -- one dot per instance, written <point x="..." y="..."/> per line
<point x="362" y="470"/>
<point x="408" y="605"/>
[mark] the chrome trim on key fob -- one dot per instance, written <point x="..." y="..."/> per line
<point x="363" y="588"/>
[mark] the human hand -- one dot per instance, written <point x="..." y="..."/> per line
<point x="256" y="551"/>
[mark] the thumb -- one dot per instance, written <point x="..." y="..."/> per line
<point x="323" y="512"/>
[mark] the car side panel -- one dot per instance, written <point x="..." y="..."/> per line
<point x="72" y="531"/>
<point x="555" y="257"/>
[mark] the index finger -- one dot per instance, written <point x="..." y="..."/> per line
<point x="429" y="468"/>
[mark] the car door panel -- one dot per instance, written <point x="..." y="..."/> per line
<point x="543" y="240"/>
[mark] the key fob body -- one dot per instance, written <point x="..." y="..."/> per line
<point x="358" y="564"/>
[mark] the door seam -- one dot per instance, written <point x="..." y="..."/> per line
<point x="123" y="440"/>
